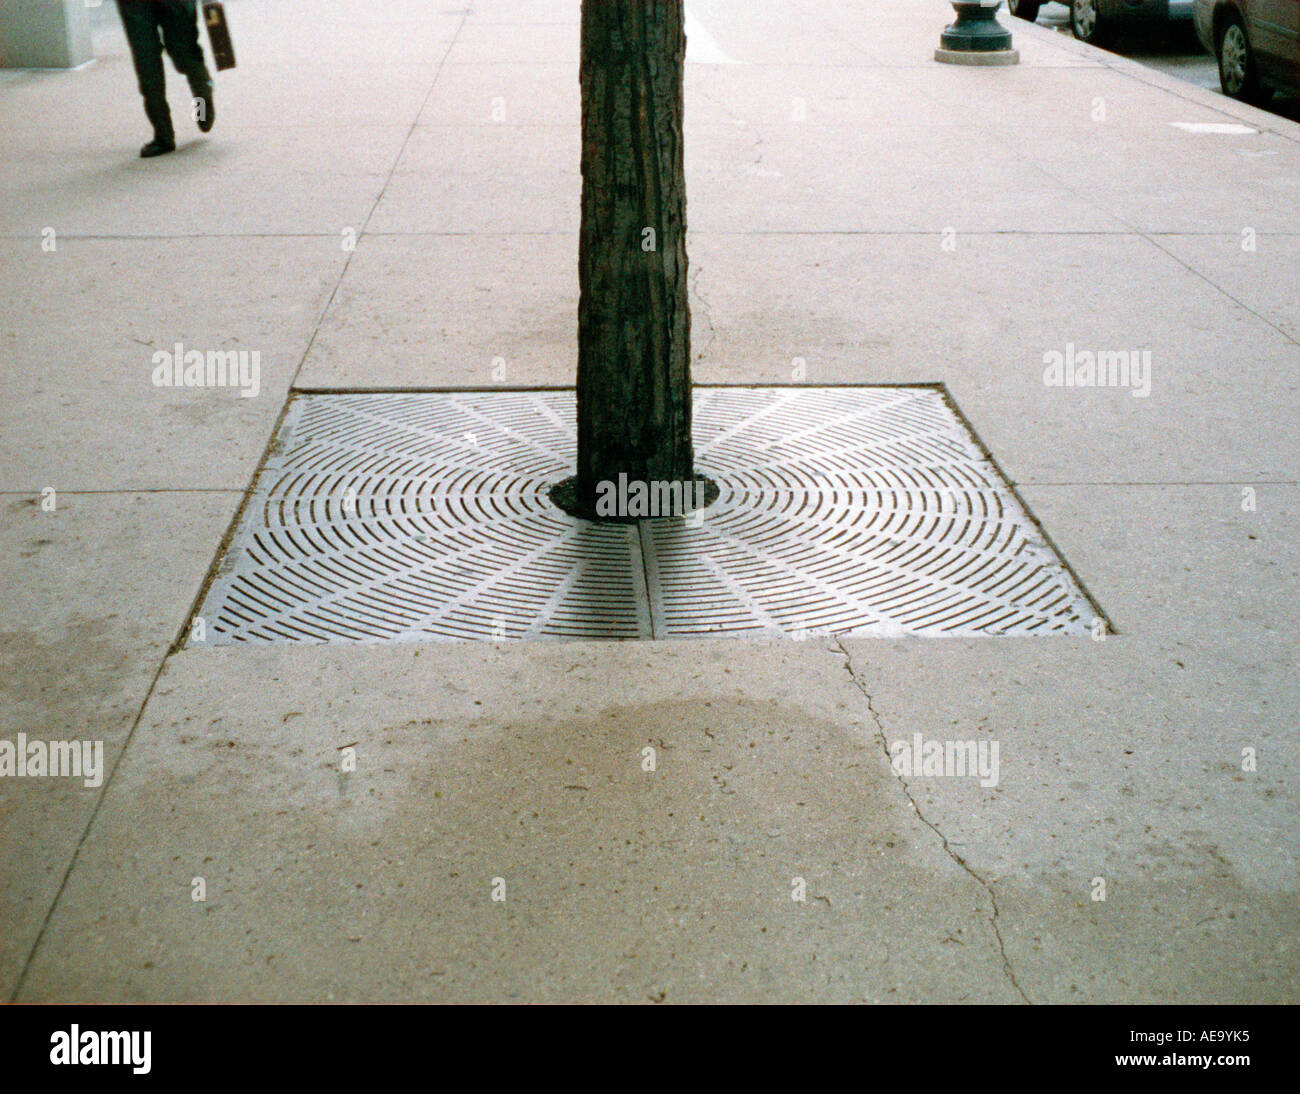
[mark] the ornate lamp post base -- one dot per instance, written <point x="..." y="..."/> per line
<point x="976" y="38"/>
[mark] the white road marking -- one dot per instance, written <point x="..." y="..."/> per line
<point x="1225" y="128"/>
<point x="700" y="46"/>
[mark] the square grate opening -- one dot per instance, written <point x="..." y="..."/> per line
<point x="867" y="511"/>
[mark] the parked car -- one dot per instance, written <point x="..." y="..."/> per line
<point x="1025" y="9"/>
<point x="1257" y="45"/>
<point x="1094" y="21"/>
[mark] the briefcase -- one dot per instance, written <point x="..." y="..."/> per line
<point x="223" y="50"/>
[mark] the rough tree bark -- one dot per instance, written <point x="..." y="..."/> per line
<point x="634" y="325"/>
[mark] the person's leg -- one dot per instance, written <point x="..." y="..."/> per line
<point x="142" y="35"/>
<point x="180" y="28"/>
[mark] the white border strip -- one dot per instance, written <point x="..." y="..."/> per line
<point x="1225" y="128"/>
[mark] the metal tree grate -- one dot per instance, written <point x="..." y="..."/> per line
<point x="425" y="516"/>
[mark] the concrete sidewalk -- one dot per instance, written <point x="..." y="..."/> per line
<point x="390" y="200"/>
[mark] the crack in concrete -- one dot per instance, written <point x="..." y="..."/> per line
<point x="988" y="888"/>
<point x="707" y="311"/>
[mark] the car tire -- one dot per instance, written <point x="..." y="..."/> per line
<point x="1025" y="9"/>
<point x="1238" y="73"/>
<point x="1088" y="23"/>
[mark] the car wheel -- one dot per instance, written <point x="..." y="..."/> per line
<point x="1025" y="9"/>
<point x="1238" y="75"/>
<point x="1087" y="22"/>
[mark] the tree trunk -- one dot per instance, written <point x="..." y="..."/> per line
<point x="634" y="383"/>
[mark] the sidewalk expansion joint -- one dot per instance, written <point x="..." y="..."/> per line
<point x="84" y="835"/>
<point x="907" y="792"/>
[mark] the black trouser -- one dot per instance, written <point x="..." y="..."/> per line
<point x="152" y="26"/>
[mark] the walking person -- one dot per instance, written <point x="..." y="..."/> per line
<point x="153" y="26"/>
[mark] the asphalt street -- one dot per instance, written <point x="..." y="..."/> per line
<point x="1171" y="48"/>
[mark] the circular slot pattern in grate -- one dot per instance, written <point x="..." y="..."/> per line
<point x="388" y="517"/>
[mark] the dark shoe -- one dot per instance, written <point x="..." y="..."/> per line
<point x="205" y="111"/>
<point x="157" y="147"/>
